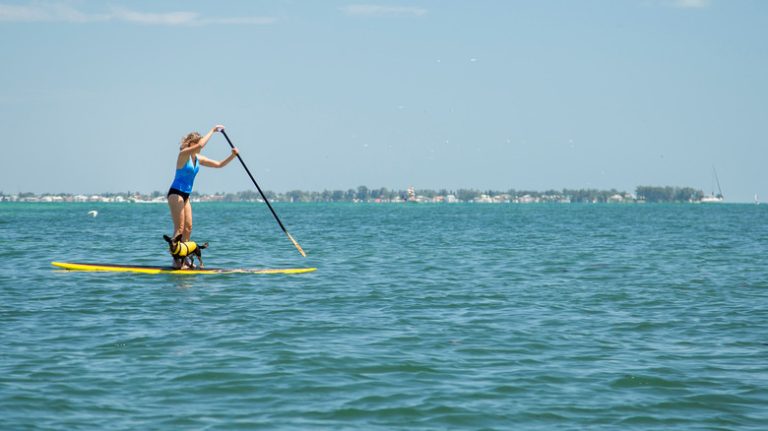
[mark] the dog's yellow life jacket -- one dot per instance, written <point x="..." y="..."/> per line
<point x="184" y="249"/>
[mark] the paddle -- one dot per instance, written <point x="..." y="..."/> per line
<point x="298" y="247"/>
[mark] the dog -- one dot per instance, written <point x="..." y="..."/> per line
<point x="182" y="250"/>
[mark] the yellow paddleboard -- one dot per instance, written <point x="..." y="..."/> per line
<point x="107" y="267"/>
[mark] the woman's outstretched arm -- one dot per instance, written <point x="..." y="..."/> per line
<point x="205" y="161"/>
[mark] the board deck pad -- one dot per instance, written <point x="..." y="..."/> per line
<point x="143" y="269"/>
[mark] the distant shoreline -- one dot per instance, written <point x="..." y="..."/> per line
<point x="643" y="194"/>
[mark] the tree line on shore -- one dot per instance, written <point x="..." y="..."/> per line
<point x="649" y="194"/>
<point x="364" y="194"/>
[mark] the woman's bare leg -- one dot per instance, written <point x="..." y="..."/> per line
<point x="187" y="222"/>
<point x="176" y="204"/>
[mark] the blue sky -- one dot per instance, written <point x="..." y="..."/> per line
<point x="334" y="94"/>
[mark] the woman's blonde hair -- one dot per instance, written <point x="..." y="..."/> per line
<point x="191" y="138"/>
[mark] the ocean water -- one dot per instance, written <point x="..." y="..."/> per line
<point x="420" y="317"/>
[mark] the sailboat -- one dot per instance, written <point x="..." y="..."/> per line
<point x="714" y="198"/>
<point x="757" y="200"/>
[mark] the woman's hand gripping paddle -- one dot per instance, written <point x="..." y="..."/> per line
<point x="296" y="244"/>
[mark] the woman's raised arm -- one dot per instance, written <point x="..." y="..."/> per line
<point x="185" y="152"/>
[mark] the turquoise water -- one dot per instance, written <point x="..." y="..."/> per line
<point x="420" y="317"/>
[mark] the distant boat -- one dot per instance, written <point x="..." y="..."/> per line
<point x="757" y="200"/>
<point x="714" y="198"/>
<point x="711" y="199"/>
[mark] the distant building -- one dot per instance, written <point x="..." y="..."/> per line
<point x="411" y="194"/>
<point x="483" y="199"/>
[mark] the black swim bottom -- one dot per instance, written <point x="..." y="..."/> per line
<point x="172" y="191"/>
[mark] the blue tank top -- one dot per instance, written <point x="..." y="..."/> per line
<point x="185" y="177"/>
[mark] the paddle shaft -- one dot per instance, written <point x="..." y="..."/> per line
<point x="263" y="196"/>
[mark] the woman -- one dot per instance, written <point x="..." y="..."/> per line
<point x="187" y="165"/>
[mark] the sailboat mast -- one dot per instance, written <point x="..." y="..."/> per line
<point x="717" y="180"/>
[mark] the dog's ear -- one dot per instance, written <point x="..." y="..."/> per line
<point x="167" y="238"/>
<point x="177" y="238"/>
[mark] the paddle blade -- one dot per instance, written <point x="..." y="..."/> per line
<point x="296" y="244"/>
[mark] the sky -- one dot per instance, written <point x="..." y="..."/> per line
<point x="526" y="95"/>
